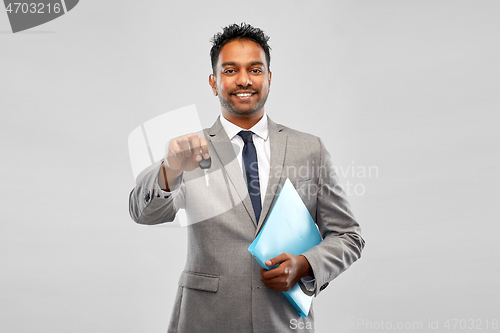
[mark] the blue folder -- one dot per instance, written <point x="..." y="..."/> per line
<point x="289" y="228"/>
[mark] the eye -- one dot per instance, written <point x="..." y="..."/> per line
<point x="229" y="71"/>
<point x="256" y="71"/>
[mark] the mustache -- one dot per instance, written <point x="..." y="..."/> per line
<point x="235" y="91"/>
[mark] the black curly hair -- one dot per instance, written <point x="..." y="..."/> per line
<point x="242" y="31"/>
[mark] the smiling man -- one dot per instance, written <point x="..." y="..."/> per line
<point x="222" y="288"/>
<point x="241" y="79"/>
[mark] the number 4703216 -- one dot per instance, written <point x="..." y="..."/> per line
<point x="33" y="8"/>
<point x="471" y="324"/>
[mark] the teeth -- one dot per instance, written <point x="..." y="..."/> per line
<point x="244" y="95"/>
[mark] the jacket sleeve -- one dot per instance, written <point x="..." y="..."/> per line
<point x="342" y="243"/>
<point x="147" y="202"/>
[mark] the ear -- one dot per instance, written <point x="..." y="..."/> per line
<point x="213" y="83"/>
<point x="270" y="74"/>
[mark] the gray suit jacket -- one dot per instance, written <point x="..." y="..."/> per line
<point x="220" y="288"/>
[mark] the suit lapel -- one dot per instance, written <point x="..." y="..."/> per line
<point x="224" y="150"/>
<point x="278" y="147"/>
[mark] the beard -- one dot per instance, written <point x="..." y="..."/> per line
<point x="242" y="112"/>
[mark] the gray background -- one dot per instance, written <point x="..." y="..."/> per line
<point x="410" y="87"/>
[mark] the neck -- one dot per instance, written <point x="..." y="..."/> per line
<point x="243" y="121"/>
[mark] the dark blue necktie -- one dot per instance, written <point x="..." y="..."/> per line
<point x="251" y="171"/>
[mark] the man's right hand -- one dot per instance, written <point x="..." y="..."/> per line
<point x="183" y="154"/>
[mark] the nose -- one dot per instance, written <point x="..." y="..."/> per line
<point x="243" y="79"/>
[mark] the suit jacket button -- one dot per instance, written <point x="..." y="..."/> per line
<point x="323" y="287"/>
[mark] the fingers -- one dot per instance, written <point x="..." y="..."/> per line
<point x="283" y="277"/>
<point x="204" y="148"/>
<point x="284" y="260"/>
<point x="270" y="274"/>
<point x="279" y="271"/>
<point x="186" y="151"/>
<point x="279" y="279"/>
<point x="278" y="260"/>
<point x="183" y="146"/>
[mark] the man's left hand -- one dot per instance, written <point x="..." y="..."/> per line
<point x="290" y="270"/>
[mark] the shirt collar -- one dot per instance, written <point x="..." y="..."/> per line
<point x="259" y="129"/>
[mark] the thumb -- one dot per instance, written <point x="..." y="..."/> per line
<point x="277" y="260"/>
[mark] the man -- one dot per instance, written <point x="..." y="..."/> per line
<point x="223" y="289"/>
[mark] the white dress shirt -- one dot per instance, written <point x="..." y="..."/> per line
<point x="261" y="141"/>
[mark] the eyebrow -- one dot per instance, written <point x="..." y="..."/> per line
<point x="253" y="63"/>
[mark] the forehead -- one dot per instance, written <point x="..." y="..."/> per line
<point x="241" y="52"/>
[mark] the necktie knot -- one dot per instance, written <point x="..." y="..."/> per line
<point x="246" y="136"/>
